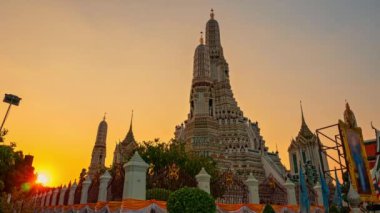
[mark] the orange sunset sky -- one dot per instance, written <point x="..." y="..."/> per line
<point x="71" y="61"/>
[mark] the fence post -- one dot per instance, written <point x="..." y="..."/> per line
<point x="203" y="179"/>
<point x="104" y="180"/>
<point x="55" y="194"/>
<point x="318" y="189"/>
<point x="84" y="193"/>
<point x="62" y="195"/>
<point x="43" y="197"/>
<point x="353" y="199"/>
<point x="72" y="193"/>
<point x="253" y="188"/>
<point x="135" y="178"/>
<point x="47" y="200"/>
<point x="290" y="189"/>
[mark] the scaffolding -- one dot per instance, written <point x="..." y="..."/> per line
<point x="331" y="145"/>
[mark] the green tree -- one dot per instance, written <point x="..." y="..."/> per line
<point x="17" y="177"/>
<point x="158" y="194"/>
<point x="190" y="200"/>
<point x="162" y="154"/>
<point x="7" y="161"/>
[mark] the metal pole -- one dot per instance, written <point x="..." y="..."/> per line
<point x="5" y="117"/>
<point x="320" y="155"/>
<point x="339" y="156"/>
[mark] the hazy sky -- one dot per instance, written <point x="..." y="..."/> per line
<point x="71" y="61"/>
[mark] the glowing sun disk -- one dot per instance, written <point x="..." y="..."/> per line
<point x="42" y="179"/>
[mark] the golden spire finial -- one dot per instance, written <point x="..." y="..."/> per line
<point x="212" y="14"/>
<point x="201" y="39"/>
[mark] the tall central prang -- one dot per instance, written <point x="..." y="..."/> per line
<point x="216" y="126"/>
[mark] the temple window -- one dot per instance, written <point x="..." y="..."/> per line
<point x="303" y="156"/>
<point x="295" y="165"/>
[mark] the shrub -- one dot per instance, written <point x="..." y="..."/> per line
<point x="268" y="209"/>
<point x="190" y="200"/>
<point x="158" y="194"/>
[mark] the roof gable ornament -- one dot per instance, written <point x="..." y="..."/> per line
<point x="303" y="118"/>
<point x="304" y="131"/>
<point x="129" y="138"/>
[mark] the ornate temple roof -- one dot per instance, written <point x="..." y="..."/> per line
<point x="124" y="149"/>
<point x="305" y="135"/>
<point x="129" y="138"/>
<point x="305" y="131"/>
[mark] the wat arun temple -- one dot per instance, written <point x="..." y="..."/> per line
<point x="216" y="126"/>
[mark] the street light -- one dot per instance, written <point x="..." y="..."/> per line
<point x="11" y="100"/>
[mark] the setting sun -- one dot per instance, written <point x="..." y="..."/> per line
<point x="42" y="178"/>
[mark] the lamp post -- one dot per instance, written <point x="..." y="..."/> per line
<point x="11" y="100"/>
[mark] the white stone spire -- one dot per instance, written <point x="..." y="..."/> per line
<point x="99" y="151"/>
<point x="212" y="31"/>
<point x="101" y="135"/>
<point x="201" y="68"/>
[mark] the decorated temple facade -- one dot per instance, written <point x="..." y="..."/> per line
<point x="304" y="151"/>
<point x="215" y="125"/>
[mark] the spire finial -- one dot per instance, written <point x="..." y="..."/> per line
<point x="212" y="14"/>
<point x="131" y="120"/>
<point x="104" y="117"/>
<point x="303" y="118"/>
<point x="201" y="39"/>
